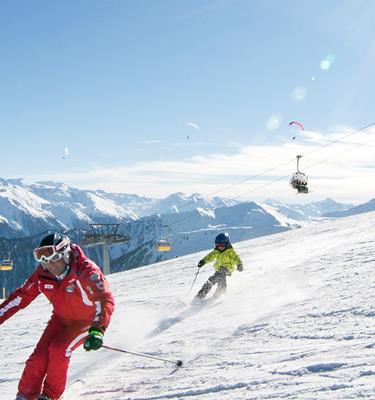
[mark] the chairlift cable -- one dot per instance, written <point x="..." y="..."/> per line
<point x="278" y="166"/>
<point x="310" y="166"/>
<point x="330" y="143"/>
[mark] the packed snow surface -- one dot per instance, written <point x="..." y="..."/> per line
<point x="298" y="323"/>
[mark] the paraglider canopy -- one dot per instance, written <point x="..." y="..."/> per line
<point x="302" y="128"/>
<point x="297" y="125"/>
<point x="193" y="125"/>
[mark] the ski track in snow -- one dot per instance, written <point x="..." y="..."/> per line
<point x="298" y="323"/>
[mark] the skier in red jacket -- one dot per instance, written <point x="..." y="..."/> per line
<point x="82" y="307"/>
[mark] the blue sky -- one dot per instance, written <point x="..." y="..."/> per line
<point x="118" y="82"/>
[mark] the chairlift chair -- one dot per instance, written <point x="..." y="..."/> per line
<point x="6" y="265"/>
<point x="299" y="179"/>
<point x="163" y="245"/>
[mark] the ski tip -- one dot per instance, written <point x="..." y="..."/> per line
<point x="179" y="363"/>
<point x="197" y="302"/>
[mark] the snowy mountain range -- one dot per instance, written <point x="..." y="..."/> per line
<point x="189" y="223"/>
<point x="304" y="212"/>
<point x="360" y="209"/>
<point x="29" y="209"/>
<point x="297" y="323"/>
<point x="187" y="232"/>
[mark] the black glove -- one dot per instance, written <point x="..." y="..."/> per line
<point x="239" y="267"/>
<point x="201" y="263"/>
<point x="94" y="340"/>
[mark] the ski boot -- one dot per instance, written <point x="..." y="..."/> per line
<point x="44" y="397"/>
<point x="204" y="291"/>
<point x="219" y="292"/>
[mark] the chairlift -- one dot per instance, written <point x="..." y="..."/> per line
<point x="6" y="265"/>
<point x="299" y="179"/>
<point x="163" y="245"/>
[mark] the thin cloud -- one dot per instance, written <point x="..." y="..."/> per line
<point x="187" y="143"/>
<point x="342" y="162"/>
<point x="151" y="141"/>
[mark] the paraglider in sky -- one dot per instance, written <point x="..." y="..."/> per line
<point x="297" y="124"/>
<point x="66" y="152"/>
<point x="195" y="126"/>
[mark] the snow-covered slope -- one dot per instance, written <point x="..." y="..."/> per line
<point x="298" y="323"/>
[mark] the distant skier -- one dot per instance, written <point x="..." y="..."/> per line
<point x="82" y="307"/>
<point x="226" y="262"/>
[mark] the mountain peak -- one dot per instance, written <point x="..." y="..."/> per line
<point x="15" y="181"/>
<point x="52" y="184"/>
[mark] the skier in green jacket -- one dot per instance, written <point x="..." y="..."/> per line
<point x="227" y="260"/>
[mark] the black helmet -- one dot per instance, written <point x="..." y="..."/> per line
<point x="53" y="239"/>
<point x="222" y="239"/>
<point x="60" y="242"/>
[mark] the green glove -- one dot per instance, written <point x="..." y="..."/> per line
<point x="94" y="340"/>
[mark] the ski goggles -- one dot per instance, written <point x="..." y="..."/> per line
<point x="221" y="246"/>
<point x="47" y="254"/>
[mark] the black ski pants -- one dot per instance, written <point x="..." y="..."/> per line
<point x="219" y="278"/>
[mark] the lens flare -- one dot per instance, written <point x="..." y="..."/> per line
<point x="327" y="62"/>
<point x="273" y="122"/>
<point x="299" y="93"/>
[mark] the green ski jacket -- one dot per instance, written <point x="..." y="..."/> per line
<point x="227" y="258"/>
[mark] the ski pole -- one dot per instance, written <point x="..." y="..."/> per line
<point x="178" y="363"/>
<point x="195" y="278"/>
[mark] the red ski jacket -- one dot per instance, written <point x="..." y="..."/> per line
<point x="82" y="295"/>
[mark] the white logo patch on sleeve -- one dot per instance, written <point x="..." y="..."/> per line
<point x="48" y="286"/>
